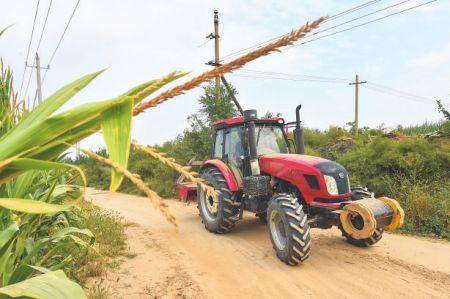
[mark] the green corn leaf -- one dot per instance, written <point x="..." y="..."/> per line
<point x="24" y="271"/>
<point x="52" y="285"/>
<point x="33" y="164"/>
<point x="7" y="238"/>
<point x="21" y="185"/>
<point x="7" y="234"/>
<point x="116" y="127"/>
<point x="33" y="206"/>
<point x="57" y="99"/>
<point x="43" y="132"/>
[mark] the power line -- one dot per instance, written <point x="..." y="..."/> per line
<point x="43" y="27"/>
<point x="355" y="19"/>
<point x="285" y="78"/>
<point x="29" y="46"/>
<point x="346" y="22"/>
<point x="407" y="94"/>
<point x="335" y="16"/>
<point x="387" y="92"/>
<point x="356" y="8"/>
<point x="362" y="24"/>
<point x="29" y="80"/>
<point x="341" y="80"/>
<point x="61" y="38"/>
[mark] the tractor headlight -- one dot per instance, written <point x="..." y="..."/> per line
<point x="331" y="185"/>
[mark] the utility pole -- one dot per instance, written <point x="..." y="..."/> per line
<point x="216" y="61"/>
<point x="38" y="77"/>
<point x="216" y="50"/>
<point x="356" y="83"/>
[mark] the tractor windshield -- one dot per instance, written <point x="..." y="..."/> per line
<point x="270" y="140"/>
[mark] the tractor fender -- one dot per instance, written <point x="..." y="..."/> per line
<point x="226" y="172"/>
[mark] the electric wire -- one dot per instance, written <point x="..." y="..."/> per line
<point x="335" y="16"/>
<point x="60" y="39"/>
<point x="362" y="24"/>
<point x="244" y="70"/>
<point x="379" y="86"/>
<point x="308" y="78"/>
<point x="43" y="27"/>
<point x="29" y="78"/>
<point x="399" y="94"/>
<point x="29" y="46"/>
<point x="352" y="27"/>
<point x="285" y="78"/>
<point x="355" y="19"/>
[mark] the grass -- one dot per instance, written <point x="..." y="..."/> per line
<point x="98" y="291"/>
<point x="425" y="128"/>
<point x="110" y="247"/>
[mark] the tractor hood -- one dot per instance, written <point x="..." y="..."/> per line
<point x="276" y="162"/>
<point x="307" y="173"/>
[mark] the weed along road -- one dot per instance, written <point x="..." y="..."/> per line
<point x="242" y="264"/>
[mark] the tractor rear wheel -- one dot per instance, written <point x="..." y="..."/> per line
<point x="219" y="212"/>
<point x="288" y="228"/>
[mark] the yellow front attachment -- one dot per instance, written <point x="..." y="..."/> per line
<point x="361" y="218"/>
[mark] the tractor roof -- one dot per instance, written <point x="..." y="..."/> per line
<point x="223" y="123"/>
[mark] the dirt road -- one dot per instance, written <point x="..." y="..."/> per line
<point x="196" y="264"/>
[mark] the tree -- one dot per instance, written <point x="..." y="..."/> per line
<point x="196" y="140"/>
<point x="444" y="111"/>
<point x="214" y="108"/>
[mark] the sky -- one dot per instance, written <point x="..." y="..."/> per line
<point x="141" y="40"/>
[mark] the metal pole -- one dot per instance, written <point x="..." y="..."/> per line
<point x="356" y="83"/>
<point x="356" y="104"/>
<point x="216" y="49"/>
<point x="38" y="81"/>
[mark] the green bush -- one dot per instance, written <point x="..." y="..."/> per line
<point x="413" y="171"/>
<point x="414" y="159"/>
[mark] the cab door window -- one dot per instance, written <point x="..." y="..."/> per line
<point x="218" y="145"/>
<point x="233" y="147"/>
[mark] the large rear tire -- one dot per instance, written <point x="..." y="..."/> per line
<point x="218" y="213"/>
<point x="288" y="228"/>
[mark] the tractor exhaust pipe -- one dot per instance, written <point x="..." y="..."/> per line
<point x="249" y="117"/>
<point x="298" y="132"/>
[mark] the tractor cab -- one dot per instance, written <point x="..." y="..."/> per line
<point x="231" y="142"/>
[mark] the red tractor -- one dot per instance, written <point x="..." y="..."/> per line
<point x="253" y="169"/>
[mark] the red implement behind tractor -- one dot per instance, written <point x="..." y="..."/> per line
<point x="253" y="169"/>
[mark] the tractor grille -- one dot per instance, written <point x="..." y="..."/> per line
<point x="338" y="172"/>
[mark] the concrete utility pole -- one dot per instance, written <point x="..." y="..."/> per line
<point x="356" y="83"/>
<point x="216" y="49"/>
<point x="38" y="77"/>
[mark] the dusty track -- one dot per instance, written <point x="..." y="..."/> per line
<point x="196" y="264"/>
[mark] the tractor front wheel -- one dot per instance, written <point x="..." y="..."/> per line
<point x="288" y="228"/>
<point x="218" y="211"/>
